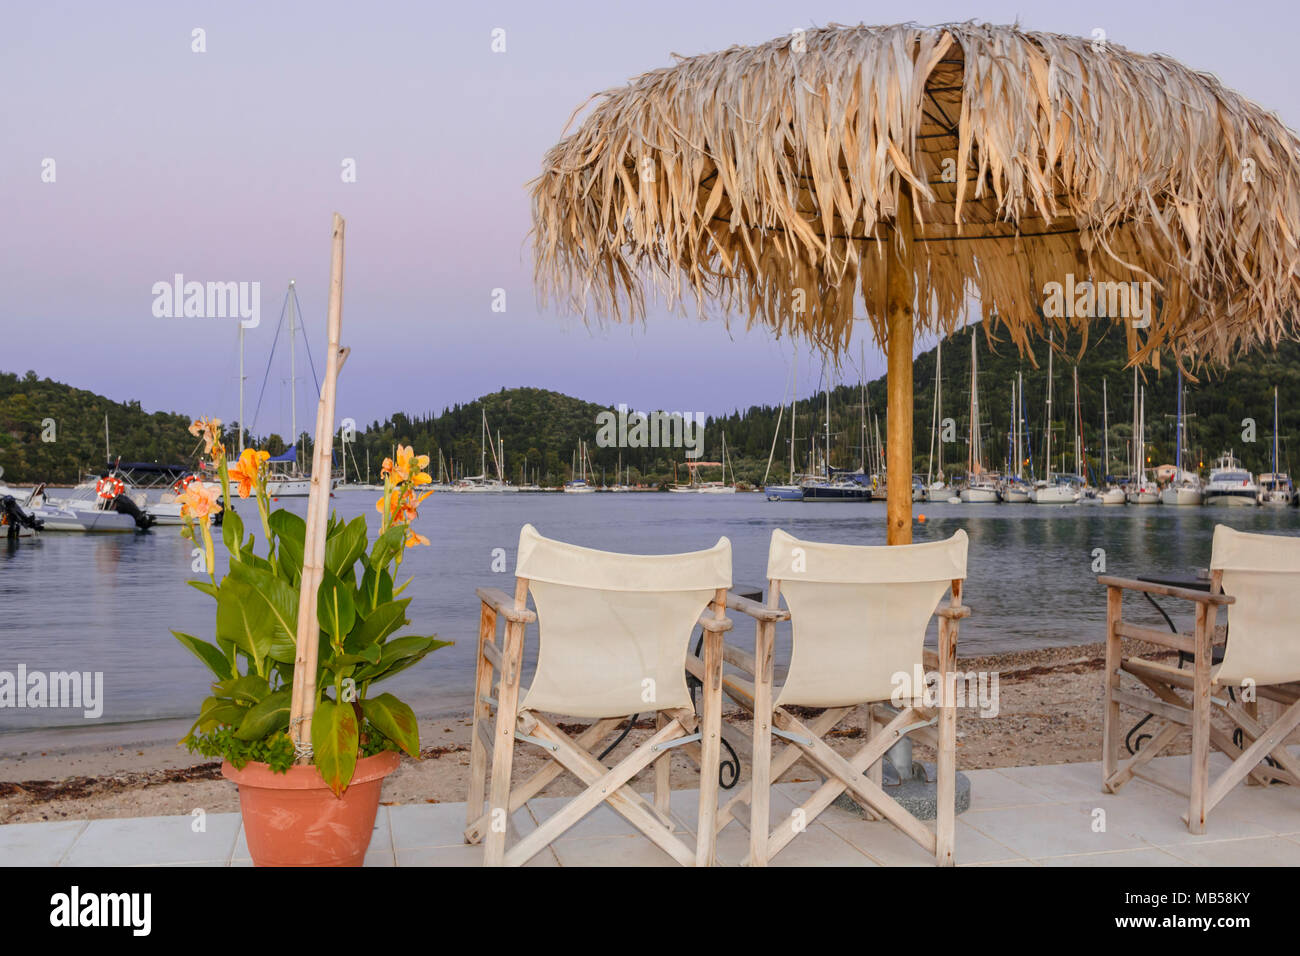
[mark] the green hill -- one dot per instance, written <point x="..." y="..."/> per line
<point x="35" y="410"/>
<point x="543" y="428"/>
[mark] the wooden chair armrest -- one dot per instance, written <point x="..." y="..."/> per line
<point x="1150" y="587"/>
<point x="504" y="605"/>
<point x="954" y="613"/>
<point x="759" y="612"/>
<point x="718" y="625"/>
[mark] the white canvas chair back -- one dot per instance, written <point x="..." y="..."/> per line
<point x="614" y="628"/>
<point x="859" y="613"/>
<point x="1262" y="571"/>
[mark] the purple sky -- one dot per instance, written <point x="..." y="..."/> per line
<point x="226" y="165"/>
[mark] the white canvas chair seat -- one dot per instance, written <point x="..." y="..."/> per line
<point x="613" y="636"/>
<point x="859" y="617"/>
<point x="1256" y="577"/>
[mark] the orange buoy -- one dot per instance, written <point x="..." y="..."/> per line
<point x="109" y="487"/>
<point x="920" y="519"/>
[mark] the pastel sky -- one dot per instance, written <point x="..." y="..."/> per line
<point x="226" y="165"/>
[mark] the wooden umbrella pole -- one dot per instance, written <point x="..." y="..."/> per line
<point x="303" y="701"/>
<point x="899" y="317"/>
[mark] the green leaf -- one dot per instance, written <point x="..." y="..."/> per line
<point x="347" y="544"/>
<point x="335" y="608"/>
<point x="216" y="661"/>
<point x="395" y="720"/>
<point x="250" y="688"/>
<point x="207" y="587"/>
<point x="335" y="739"/>
<point x="242" y="620"/>
<point x="275" y="598"/>
<point x="386" y="546"/>
<point x="377" y="625"/>
<point x="217" y="711"/>
<point x="289" y="530"/>
<point x="232" y="532"/>
<point x="399" y="654"/>
<point x="377" y="588"/>
<point x="269" y="717"/>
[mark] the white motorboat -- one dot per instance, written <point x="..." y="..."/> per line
<point x="1114" y="496"/>
<point x="1230" y="485"/>
<point x="84" y="514"/>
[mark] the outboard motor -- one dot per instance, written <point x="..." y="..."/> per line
<point x="123" y="505"/>
<point x="15" y="517"/>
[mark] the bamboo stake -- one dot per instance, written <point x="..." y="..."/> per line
<point x="899" y="318"/>
<point x="303" y="702"/>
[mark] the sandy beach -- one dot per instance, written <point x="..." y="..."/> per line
<point x="1049" y="712"/>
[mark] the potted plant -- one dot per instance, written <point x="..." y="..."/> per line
<point x="305" y="803"/>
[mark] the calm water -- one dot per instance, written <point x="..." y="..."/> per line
<point x="107" y="602"/>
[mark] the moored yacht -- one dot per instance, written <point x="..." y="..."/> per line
<point x="1276" y="490"/>
<point x="1231" y="485"/>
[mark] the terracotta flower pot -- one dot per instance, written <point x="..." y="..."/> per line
<point x="294" y="819"/>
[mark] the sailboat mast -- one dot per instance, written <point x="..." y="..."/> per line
<point x="1134" y="451"/>
<point x="934" y="416"/>
<point x="241" y="388"/>
<point x="1078" y="428"/>
<point x="1020" y="423"/>
<point x="794" y="404"/>
<point x="1047" y="455"/>
<point x="1105" y="432"/>
<point x="293" y="375"/>
<point x="1178" y="455"/>
<point x="827" y="462"/>
<point x="972" y="455"/>
<point x="1275" y="484"/>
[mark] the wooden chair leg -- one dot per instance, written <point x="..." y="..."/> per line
<point x="663" y="768"/>
<point x="761" y="763"/>
<point x="478" y="755"/>
<point x="1110" y="729"/>
<point x="503" y="748"/>
<point x="1197" y="808"/>
<point x="710" y="749"/>
<point x="946" y="795"/>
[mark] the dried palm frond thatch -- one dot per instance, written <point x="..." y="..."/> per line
<point x="765" y="179"/>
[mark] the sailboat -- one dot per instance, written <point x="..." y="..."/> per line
<point x="1275" y="488"/>
<point x="1111" y="494"/>
<point x="1088" y="495"/>
<point x="980" y="486"/>
<point x="1185" y="487"/>
<point x="1141" y="489"/>
<point x="578" y="485"/>
<point x="483" y="483"/>
<point x="936" y="489"/>
<point x="1015" y="489"/>
<point x="1054" y="488"/>
<point x="831" y="486"/>
<point x="791" y="490"/>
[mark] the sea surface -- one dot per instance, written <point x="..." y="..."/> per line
<point x="107" y="603"/>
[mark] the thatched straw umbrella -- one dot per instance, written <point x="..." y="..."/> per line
<point x="905" y="169"/>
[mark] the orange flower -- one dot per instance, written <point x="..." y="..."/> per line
<point x="408" y="467"/>
<point x="209" y="429"/>
<point x="199" y="502"/>
<point x="414" y="539"/>
<point x="247" y="469"/>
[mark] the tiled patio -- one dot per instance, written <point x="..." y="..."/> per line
<point x="1019" y="816"/>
